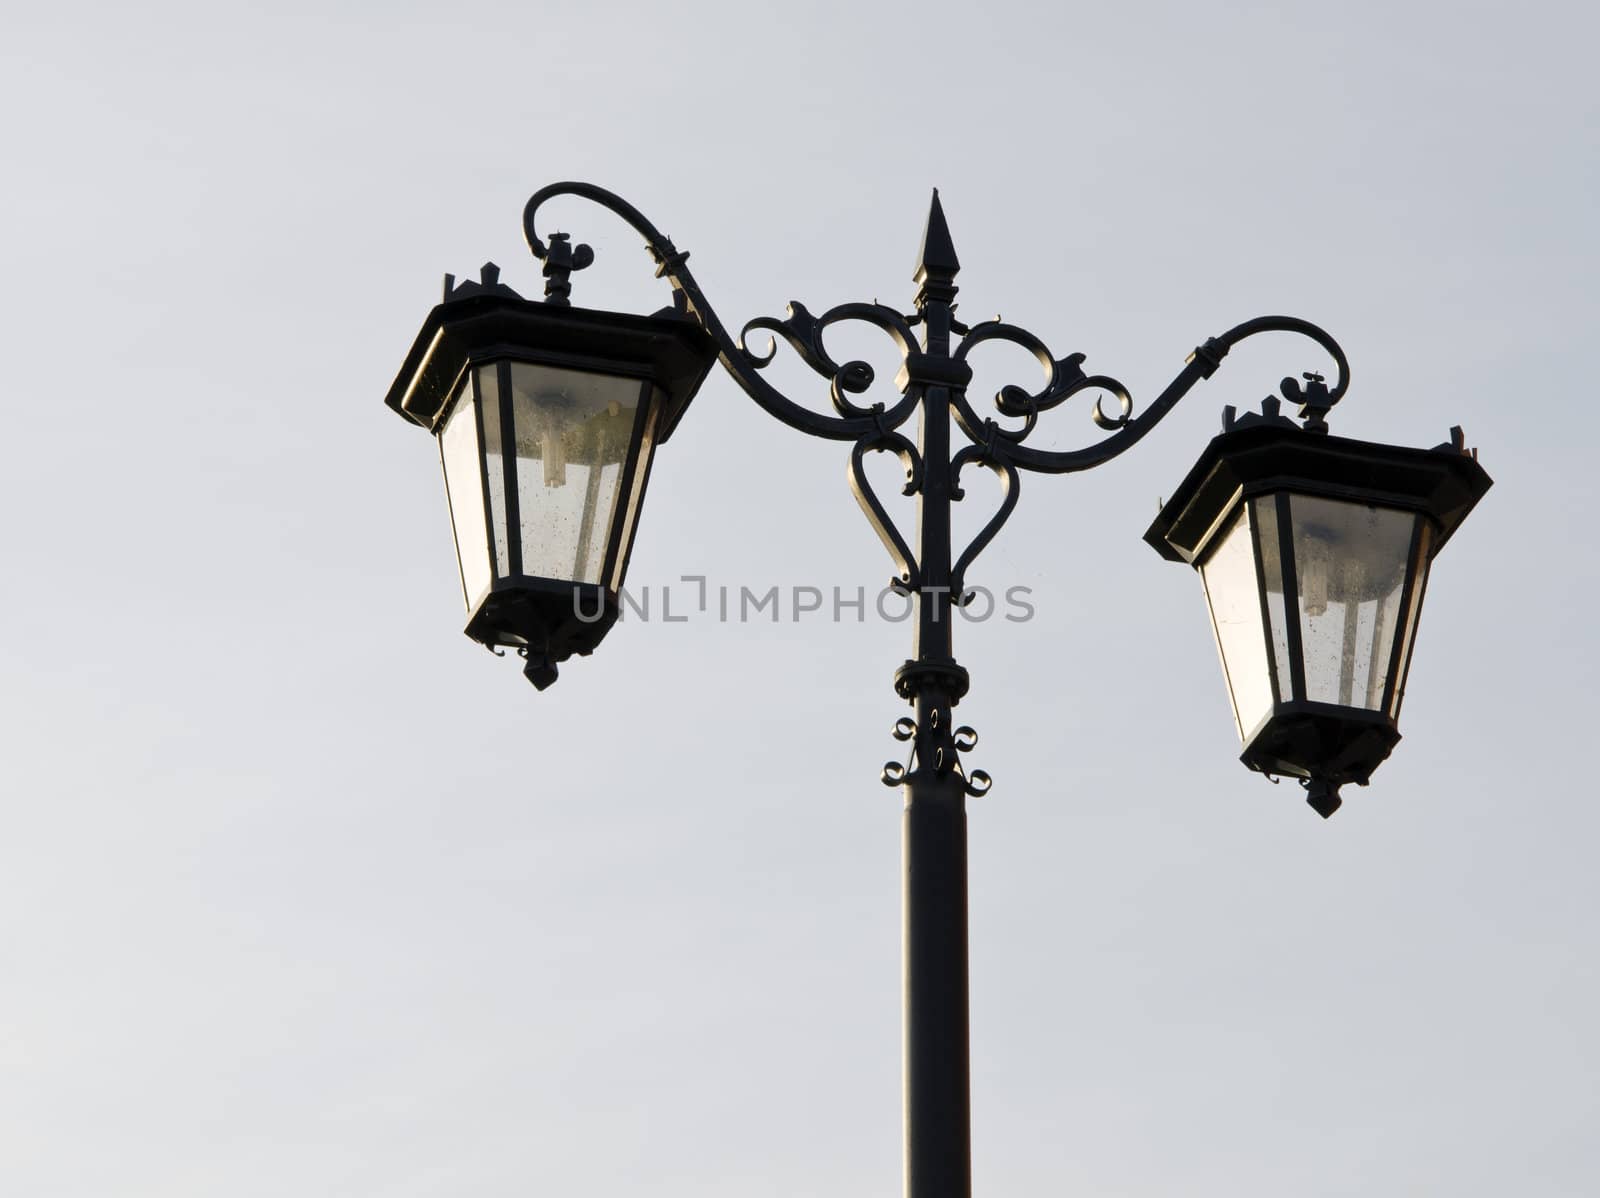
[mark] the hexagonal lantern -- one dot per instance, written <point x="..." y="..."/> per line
<point x="547" y="418"/>
<point x="1313" y="551"/>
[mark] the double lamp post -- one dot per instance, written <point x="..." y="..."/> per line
<point x="1313" y="550"/>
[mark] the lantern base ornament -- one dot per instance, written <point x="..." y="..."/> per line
<point x="1322" y="745"/>
<point x="1322" y="796"/>
<point x="545" y="622"/>
<point x="1321" y="740"/>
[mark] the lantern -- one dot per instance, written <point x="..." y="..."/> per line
<point x="547" y="418"/>
<point x="1313" y="552"/>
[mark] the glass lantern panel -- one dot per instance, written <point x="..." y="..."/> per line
<point x="1350" y="572"/>
<point x="463" y="481"/>
<point x="1229" y="576"/>
<point x="630" y="517"/>
<point x="1264" y="512"/>
<point x="1419" y="582"/>
<point x="573" y="433"/>
<point x="494" y="463"/>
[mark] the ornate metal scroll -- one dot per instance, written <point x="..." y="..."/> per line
<point x="932" y="375"/>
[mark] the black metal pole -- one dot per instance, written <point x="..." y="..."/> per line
<point x="938" y="1136"/>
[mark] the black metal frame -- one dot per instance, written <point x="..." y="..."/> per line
<point x="487" y="324"/>
<point x="1268" y="459"/>
<point x="934" y="349"/>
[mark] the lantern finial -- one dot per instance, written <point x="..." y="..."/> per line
<point x="1314" y="400"/>
<point x="1323" y="796"/>
<point x="540" y="670"/>
<point x="560" y="260"/>
<point x="938" y="253"/>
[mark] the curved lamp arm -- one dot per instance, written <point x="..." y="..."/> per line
<point x="801" y="329"/>
<point x="1064" y="379"/>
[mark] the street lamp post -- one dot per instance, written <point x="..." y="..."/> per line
<point x="1313" y="549"/>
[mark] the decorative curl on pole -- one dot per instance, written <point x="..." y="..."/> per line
<point x="937" y="750"/>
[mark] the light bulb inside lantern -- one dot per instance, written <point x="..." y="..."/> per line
<point x="553" y="449"/>
<point x="552" y="417"/>
<point x="1315" y="567"/>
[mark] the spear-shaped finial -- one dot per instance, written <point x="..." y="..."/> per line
<point x="938" y="256"/>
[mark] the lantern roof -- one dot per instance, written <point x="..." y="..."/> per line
<point x="487" y="319"/>
<point x="1259" y="454"/>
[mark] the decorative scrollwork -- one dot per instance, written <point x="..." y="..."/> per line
<point x="937" y="750"/>
<point x="935" y="379"/>
<point x="886" y="440"/>
<point x="1064" y="378"/>
<point x="671" y="263"/>
<point x="1124" y="401"/>
<point x="852" y="376"/>
<point x="1011" y="482"/>
<point x="804" y="333"/>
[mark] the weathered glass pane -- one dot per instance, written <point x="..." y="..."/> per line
<point x="494" y="464"/>
<point x="463" y="480"/>
<point x="573" y="432"/>
<point x="1264" y="511"/>
<point x="1350" y="569"/>
<point x="1229" y="576"/>
<point x="1419" y="583"/>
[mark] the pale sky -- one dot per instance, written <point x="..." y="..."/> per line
<point x="302" y="893"/>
